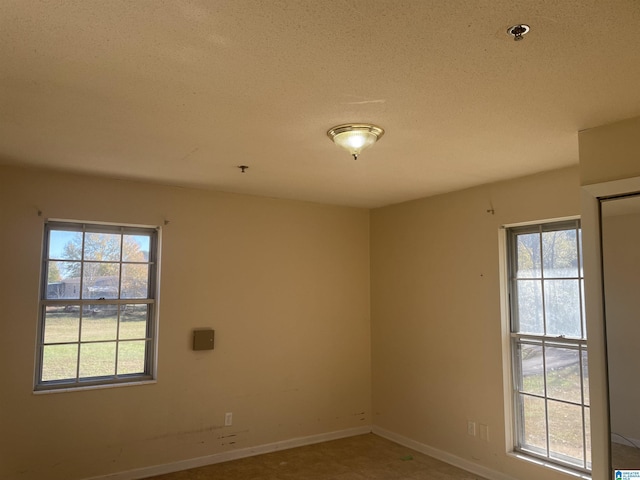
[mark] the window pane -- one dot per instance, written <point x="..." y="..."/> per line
<point x="580" y="252"/>
<point x="133" y="321"/>
<point x="136" y="248"/>
<point x="534" y="435"/>
<point x="529" y="314"/>
<point x="584" y="309"/>
<point x="100" y="324"/>
<point x="563" y="374"/>
<point x="59" y="362"/>
<point x="65" y="245"/>
<point x="585" y="377"/>
<point x="63" y="280"/>
<point x="104" y="247"/>
<point x="92" y="268"/>
<point x="97" y="359"/>
<point x="562" y="305"/>
<point x="100" y="280"/>
<point x="565" y="432"/>
<point x="560" y="254"/>
<point x="587" y="429"/>
<point x="531" y="366"/>
<point x="135" y="280"/>
<point x="528" y="262"/>
<point x="131" y="357"/>
<point x="551" y="374"/>
<point x="61" y="324"/>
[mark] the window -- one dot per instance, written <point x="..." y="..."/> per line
<point x="97" y="306"/>
<point x="549" y="343"/>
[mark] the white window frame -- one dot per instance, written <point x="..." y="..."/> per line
<point x="151" y="303"/>
<point x="513" y="410"/>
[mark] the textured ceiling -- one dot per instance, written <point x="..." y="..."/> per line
<point x="181" y="92"/>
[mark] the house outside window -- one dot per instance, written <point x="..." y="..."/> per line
<point x="98" y="305"/>
<point x="550" y="394"/>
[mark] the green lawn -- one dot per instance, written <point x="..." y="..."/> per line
<point x="565" y="420"/>
<point x="126" y="343"/>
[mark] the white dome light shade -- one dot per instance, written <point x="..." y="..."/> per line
<point x="355" y="137"/>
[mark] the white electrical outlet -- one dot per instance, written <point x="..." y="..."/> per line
<point x="228" y="419"/>
<point x="471" y="428"/>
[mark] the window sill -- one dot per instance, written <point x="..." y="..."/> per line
<point x="552" y="466"/>
<point x="94" y="387"/>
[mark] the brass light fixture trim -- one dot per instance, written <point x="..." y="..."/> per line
<point x="355" y="137"/>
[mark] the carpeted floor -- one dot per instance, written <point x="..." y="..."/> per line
<point x="625" y="457"/>
<point x="355" y="458"/>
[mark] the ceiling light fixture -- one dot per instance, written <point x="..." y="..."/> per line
<point x="517" y="31"/>
<point x="355" y="137"/>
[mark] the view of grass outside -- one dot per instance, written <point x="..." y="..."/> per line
<point x="563" y="384"/>
<point x="66" y="331"/>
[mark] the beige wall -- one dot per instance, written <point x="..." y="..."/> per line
<point x="436" y="316"/>
<point x="285" y="285"/>
<point x="610" y="152"/>
<point x="620" y="241"/>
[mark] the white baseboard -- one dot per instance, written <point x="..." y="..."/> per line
<point x="446" y="457"/>
<point x="232" y="455"/>
<point x="442" y="455"/>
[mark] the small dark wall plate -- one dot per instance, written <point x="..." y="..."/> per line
<point x="203" y="339"/>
